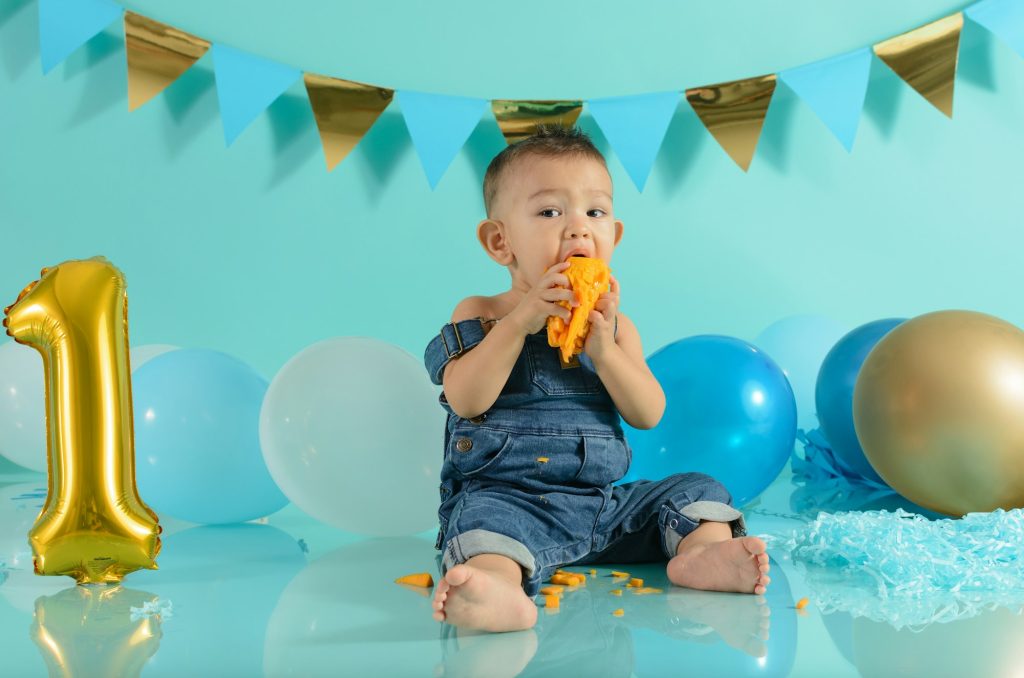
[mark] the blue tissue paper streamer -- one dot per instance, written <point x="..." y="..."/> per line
<point x="909" y="571"/>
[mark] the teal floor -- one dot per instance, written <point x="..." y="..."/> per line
<point x="288" y="596"/>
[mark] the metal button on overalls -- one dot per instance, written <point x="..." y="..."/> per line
<point x="463" y="444"/>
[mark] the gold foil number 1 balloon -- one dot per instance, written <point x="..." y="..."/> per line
<point x="93" y="526"/>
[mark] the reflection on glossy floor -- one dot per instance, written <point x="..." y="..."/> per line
<point x="290" y="596"/>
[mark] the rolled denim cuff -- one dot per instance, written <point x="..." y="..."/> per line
<point x="677" y="524"/>
<point x="462" y="547"/>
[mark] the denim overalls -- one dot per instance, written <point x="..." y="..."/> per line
<point x="531" y="478"/>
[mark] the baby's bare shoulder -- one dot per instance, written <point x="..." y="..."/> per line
<point x="474" y="307"/>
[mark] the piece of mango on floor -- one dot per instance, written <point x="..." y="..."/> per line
<point x="419" y="579"/>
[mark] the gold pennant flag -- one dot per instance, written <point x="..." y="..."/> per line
<point x="734" y="113"/>
<point x="520" y="119"/>
<point x="926" y="59"/>
<point x="157" y="55"/>
<point x="344" y="111"/>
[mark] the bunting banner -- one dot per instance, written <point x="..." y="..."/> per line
<point x="66" y="25"/>
<point x="635" y="127"/>
<point x="439" y="125"/>
<point x="1003" y="18"/>
<point x="834" y="89"/>
<point x="519" y="119"/>
<point x="926" y="59"/>
<point x="246" y="86"/>
<point x="157" y="55"/>
<point x="734" y="112"/>
<point x="344" y="112"/>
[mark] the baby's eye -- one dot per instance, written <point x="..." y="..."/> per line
<point x="600" y="213"/>
<point x="548" y="212"/>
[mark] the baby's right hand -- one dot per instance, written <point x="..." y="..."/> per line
<point x="531" y="315"/>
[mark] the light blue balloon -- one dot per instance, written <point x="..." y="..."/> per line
<point x="729" y="413"/>
<point x="197" y="449"/>
<point x="798" y="344"/>
<point x="834" y="393"/>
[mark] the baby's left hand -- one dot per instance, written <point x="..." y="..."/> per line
<point x="601" y="337"/>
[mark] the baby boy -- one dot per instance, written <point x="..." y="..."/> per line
<point x="533" y="445"/>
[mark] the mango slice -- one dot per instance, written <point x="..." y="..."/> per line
<point x="590" y="278"/>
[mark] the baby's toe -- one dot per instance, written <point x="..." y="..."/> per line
<point x="754" y="545"/>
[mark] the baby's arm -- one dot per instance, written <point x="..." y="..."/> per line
<point x="473" y="381"/>
<point x="628" y="380"/>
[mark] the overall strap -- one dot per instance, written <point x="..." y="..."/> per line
<point x="453" y="340"/>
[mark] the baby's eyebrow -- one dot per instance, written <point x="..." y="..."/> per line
<point x="543" y="191"/>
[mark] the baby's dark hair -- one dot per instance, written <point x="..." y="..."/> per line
<point x="548" y="141"/>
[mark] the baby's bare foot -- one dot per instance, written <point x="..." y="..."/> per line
<point x="473" y="598"/>
<point x="739" y="564"/>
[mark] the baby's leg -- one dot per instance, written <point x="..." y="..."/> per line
<point x="711" y="559"/>
<point x="485" y="593"/>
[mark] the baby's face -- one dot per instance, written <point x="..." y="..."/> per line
<point x="553" y="208"/>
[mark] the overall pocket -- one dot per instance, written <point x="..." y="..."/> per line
<point x="473" y="450"/>
<point x="547" y="374"/>
<point x="607" y="460"/>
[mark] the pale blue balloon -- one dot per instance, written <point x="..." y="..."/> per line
<point x="197" y="449"/>
<point x="729" y="413"/>
<point x="798" y="344"/>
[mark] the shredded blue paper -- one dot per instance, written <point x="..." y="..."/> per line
<point x="153" y="608"/>
<point x="820" y="463"/>
<point x="906" y="570"/>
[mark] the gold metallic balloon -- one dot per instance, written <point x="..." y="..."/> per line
<point x="93" y="525"/>
<point x="89" y="631"/>
<point x="938" y="407"/>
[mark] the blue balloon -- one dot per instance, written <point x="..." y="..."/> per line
<point x="730" y="413"/>
<point x="833" y="394"/>
<point x="197" y="448"/>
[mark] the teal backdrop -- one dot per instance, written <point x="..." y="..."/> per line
<point x="258" y="251"/>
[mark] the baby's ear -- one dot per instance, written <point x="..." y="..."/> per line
<point x="618" y="232"/>
<point x="494" y="238"/>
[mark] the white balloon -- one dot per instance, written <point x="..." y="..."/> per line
<point x="140" y="355"/>
<point x="20" y="505"/>
<point x="352" y="433"/>
<point x="22" y="406"/>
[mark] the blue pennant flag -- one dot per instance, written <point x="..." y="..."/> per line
<point x="246" y="85"/>
<point x="834" y="89"/>
<point x="439" y="126"/>
<point x="635" y="126"/>
<point x="66" y="25"/>
<point x="1004" y="18"/>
